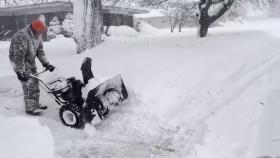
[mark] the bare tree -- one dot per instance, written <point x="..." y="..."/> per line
<point x="188" y="12"/>
<point x="173" y="14"/>
<point x="154" y="3"/>
<point x="179" y="12"/>
<point x="210" y="11"/>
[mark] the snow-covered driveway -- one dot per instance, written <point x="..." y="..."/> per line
<point x="184" y="91"/>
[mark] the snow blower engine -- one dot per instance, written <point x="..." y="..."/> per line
<point x="82" y="102"/>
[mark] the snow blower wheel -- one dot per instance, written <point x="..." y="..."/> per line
<point x="72" y="116"/>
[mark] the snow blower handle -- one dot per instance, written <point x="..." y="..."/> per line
<point x="41" y="72"/>
<point x="37" y="74"/>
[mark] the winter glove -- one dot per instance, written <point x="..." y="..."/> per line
<point x="49" y="67"/>
<point x="22" y="76"/>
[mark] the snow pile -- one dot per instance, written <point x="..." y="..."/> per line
<point x="23" y="137"/>
<point x="50" y="35"/>
<point x="6" y="69"/>
<point x="146" y="29"/>
<point x="68" y="25"/>
<point x="124" y="31"/>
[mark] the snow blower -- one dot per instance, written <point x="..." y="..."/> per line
<point x="82" y="102"/>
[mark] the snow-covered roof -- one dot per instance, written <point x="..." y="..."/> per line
<point x="153" y="13"/>
<point x="116" y="3"/>
<point x="61" y="6"/>
<point x="13" y="3"/>
<point x="121" y="3"/>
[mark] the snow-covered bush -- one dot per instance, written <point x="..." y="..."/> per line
<point x="55" y="26"/>
<point x="68" y="25"/>
<point x="65" y="28"/>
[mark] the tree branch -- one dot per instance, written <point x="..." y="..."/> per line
<point x="221" y="12"/>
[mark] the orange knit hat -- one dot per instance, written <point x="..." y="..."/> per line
<point x="39" y="26"/>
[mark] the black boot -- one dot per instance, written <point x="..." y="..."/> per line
<point x="35" y="112"/>
<point x="43" y="107"/>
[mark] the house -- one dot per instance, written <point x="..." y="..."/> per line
<point x="155" y="18"/>
<point x="15" y="18"/>
<point x="158" y="19"/>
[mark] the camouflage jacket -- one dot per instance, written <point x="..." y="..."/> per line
<point x="24" y="48"/>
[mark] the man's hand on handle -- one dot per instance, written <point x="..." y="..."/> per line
<point x="49" y="67"/>
<point x="22" y="76"/>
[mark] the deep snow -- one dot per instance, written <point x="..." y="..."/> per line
<point x="24" y="137"/>
<point x="189" y="97"/>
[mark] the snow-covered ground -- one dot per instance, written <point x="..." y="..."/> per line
<point x="214" y="97"/>
<point x="24" y="137"/>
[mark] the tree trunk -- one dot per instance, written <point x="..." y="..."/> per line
<point x="88" y="21"/>
<point x="171" y="24"/>
<point x="203" y="29"/>
<point x="172" y="29"/>
<point x="180" y="27"/>
<point x="205" y="20"/>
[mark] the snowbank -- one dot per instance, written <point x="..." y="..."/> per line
<point x="23" y="137"/>
<point x="124" y="31"/>
<point x="146" y="29"/>
<point x="5" y="68"/>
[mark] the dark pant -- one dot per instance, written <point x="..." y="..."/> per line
<point x="31" y="93"/>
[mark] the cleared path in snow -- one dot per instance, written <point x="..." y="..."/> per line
<point x="267" y="141"/>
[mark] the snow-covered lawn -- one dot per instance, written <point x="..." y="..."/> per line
<point x="214" y="97"/>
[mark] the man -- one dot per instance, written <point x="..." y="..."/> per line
<point x="25" y="46"/>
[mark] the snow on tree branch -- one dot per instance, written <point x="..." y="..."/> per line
<point x="179" y="12"/>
